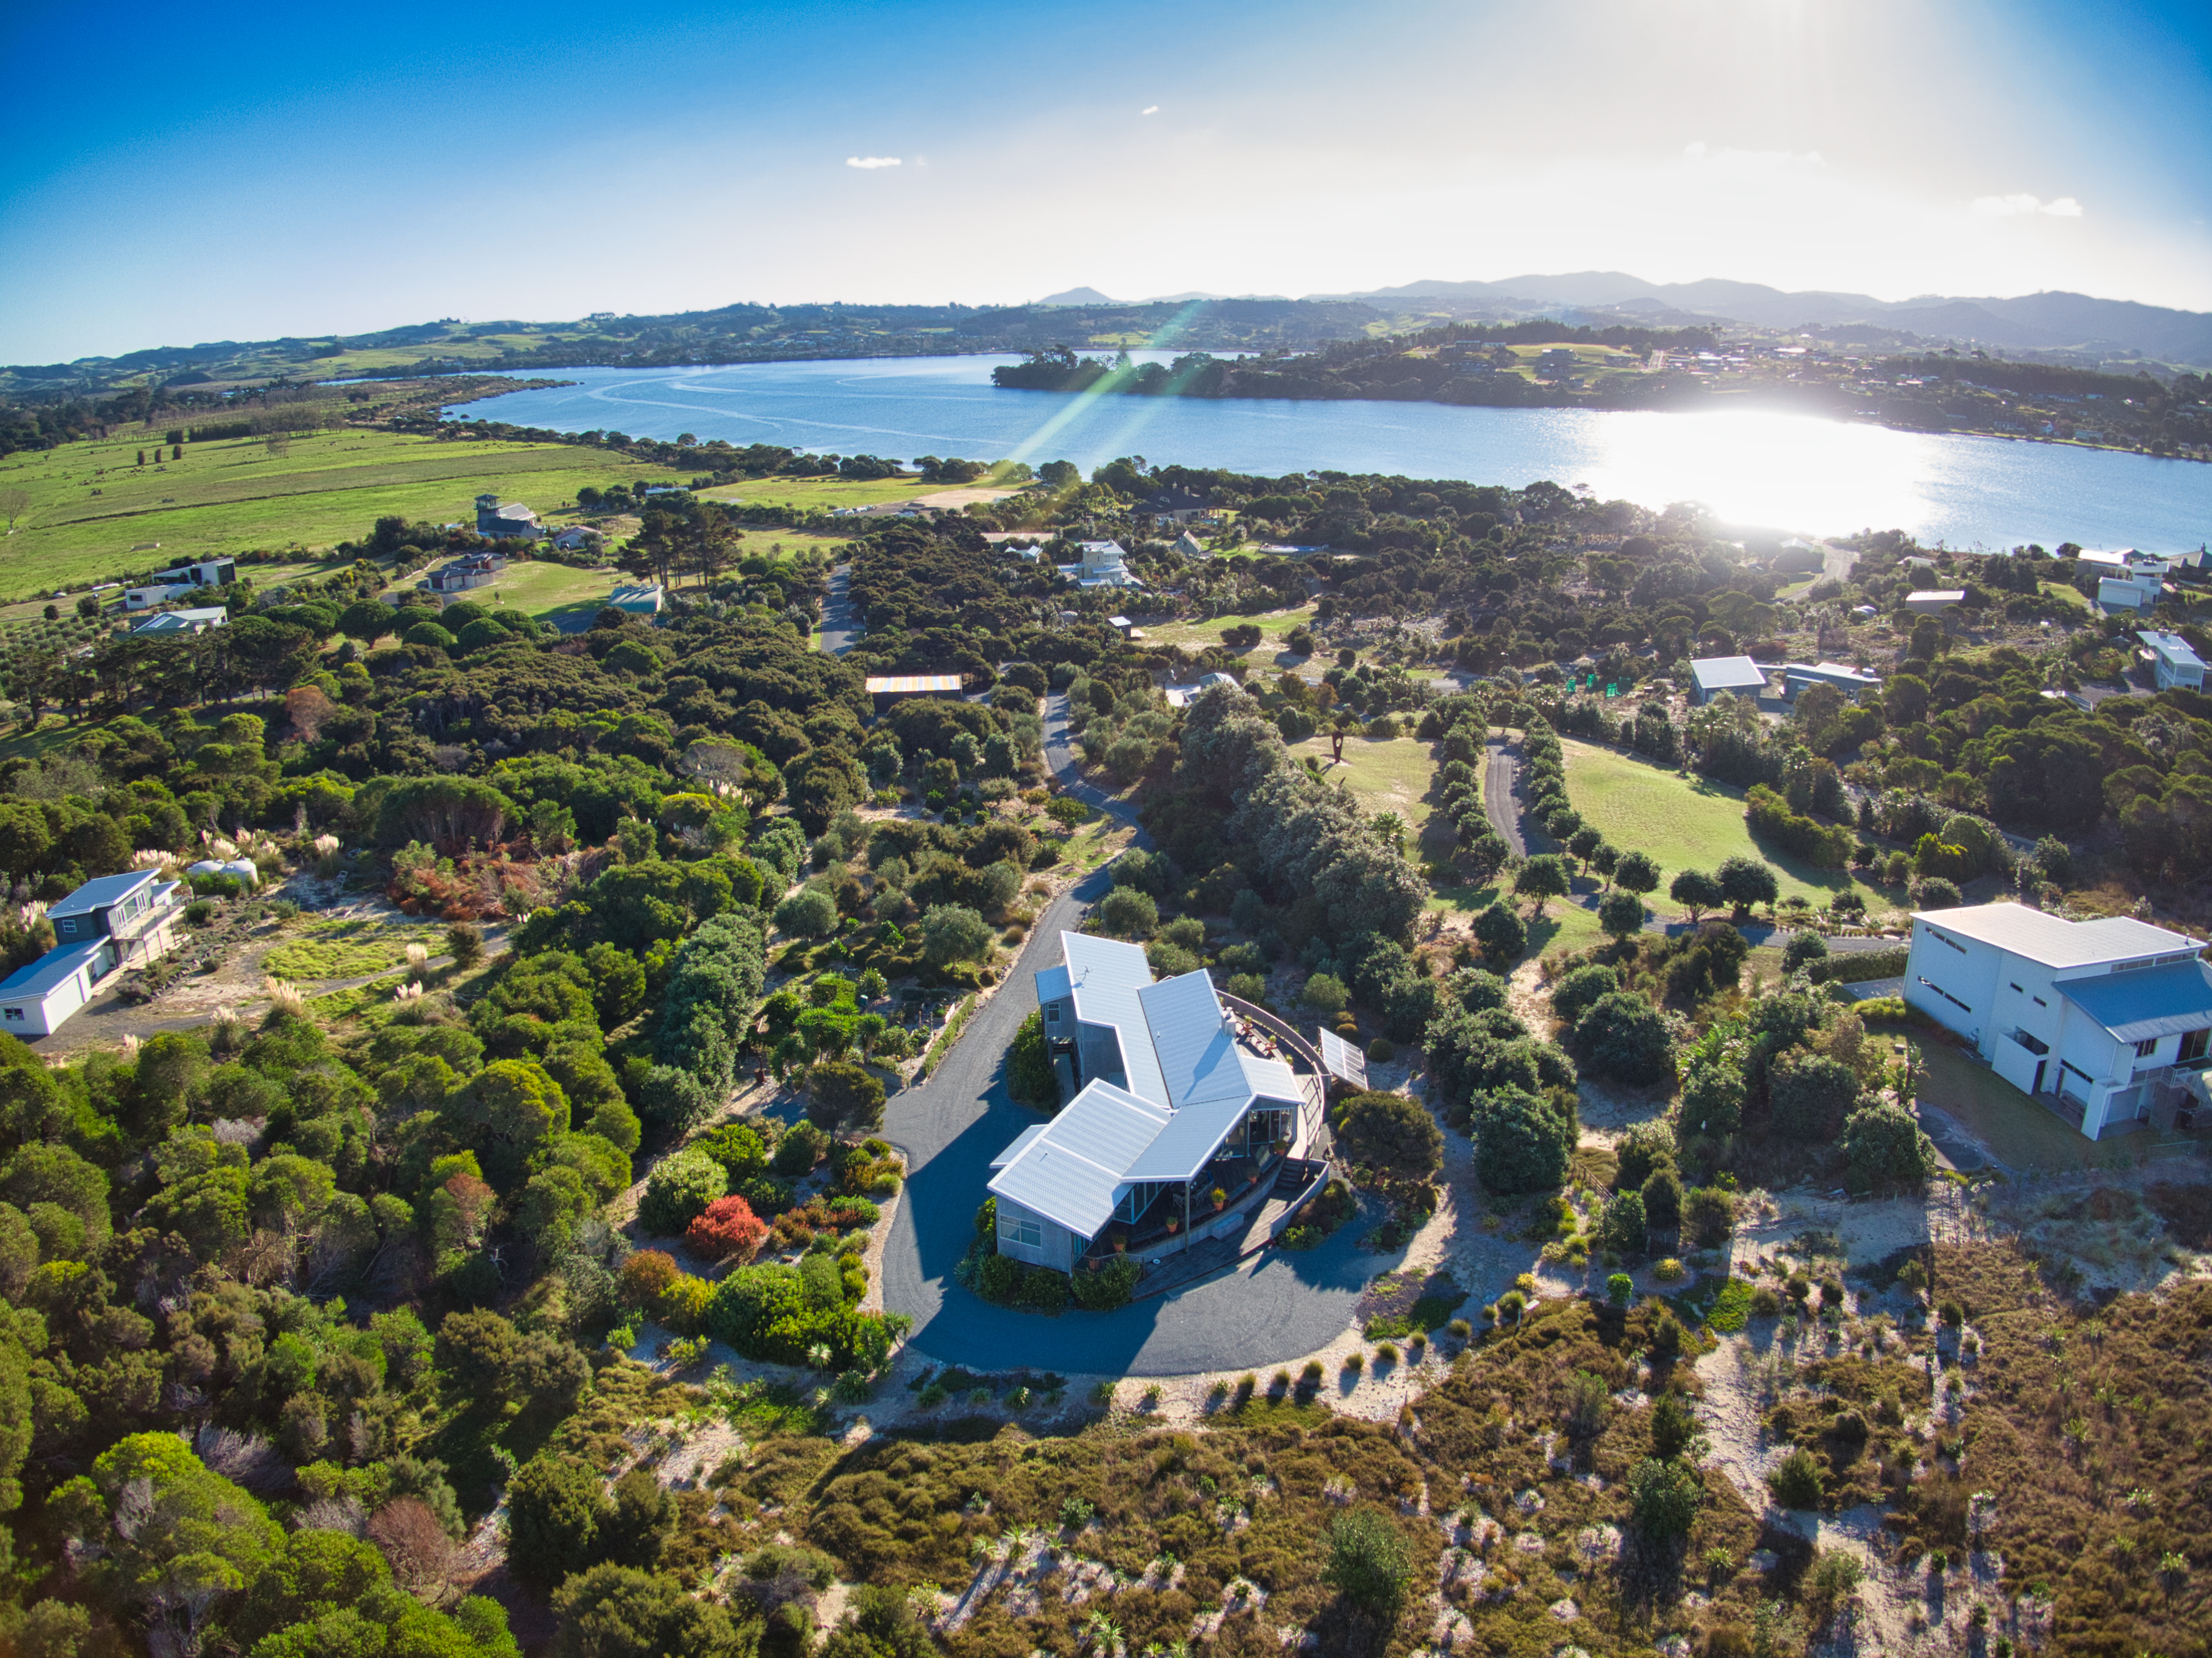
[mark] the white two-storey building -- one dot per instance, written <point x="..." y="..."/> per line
<point x="2092" y="1015"/>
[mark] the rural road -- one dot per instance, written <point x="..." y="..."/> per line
<point x="1271" y="1308"/>
<point x="840" y="627"/>
<point x="1498" y="802"/>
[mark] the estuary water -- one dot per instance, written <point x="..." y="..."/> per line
<point x="1798" y="473"/>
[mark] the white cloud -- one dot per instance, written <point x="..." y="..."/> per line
<point x="871" y="161"/>
<point x="2009" y="207"/>
<point x="1154" y="110"/>
<point x="1755" y="159"/>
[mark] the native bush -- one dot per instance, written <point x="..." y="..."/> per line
<point x="678" y="1191"/>
<point x="1522" y="1142"/>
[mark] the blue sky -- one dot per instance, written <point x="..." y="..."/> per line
<point x="181" y="173"/>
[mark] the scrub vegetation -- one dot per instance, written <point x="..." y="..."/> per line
<point x="395" y="1321"/>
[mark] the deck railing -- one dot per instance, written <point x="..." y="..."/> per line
<point x="1284" y="1033"/>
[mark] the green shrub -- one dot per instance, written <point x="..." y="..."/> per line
<point x="1028" y="1064"/>
<point x="1580" y="991"/>
<point x="1665" y="1497"/>
<point x="1324" y="992"/>
<point x="802" y="1146"/>
<point x="809" y="913"/>
<point x="678" y="1192"/>
<point x="1128" y="913"/>
<point x="1811" y="1094"/>
<point x="1624" y="1037"/>
<point x="1796" y="1482"/>
<point x="1883" y="1146"/>
<point x="1522" y="1143"/>
<point x="1109" y="1287"/>
<point x="1368" y="1562"/>
<point x="954" y="932"/>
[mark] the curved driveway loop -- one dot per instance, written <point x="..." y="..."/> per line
<point x="1271" y="1308"/>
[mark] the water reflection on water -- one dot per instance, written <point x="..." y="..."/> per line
<point x="1796" y="473"/>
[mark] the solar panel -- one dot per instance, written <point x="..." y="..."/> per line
<point x="1343" y="1060"/>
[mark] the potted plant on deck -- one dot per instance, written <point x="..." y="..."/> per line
<point x="1220" y="1199"/>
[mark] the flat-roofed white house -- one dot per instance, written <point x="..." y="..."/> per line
<point x="2174" y="664"/>
<point x="1174" y="1097"/>
<point x="167" y="623"/>
<point x="2128" y="579"/>
<point x="2092" y="1018"/>
<point x="1711" y="675"/>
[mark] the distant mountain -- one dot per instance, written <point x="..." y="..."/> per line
<point x="1078" y="296"/>
<point x="2046" y="321"/>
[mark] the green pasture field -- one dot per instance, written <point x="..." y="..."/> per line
<point x="1685" y="823"/>
<point x="821" y="494"/>
<point x="1274" y="625"/>
<point x="231" y="497"/>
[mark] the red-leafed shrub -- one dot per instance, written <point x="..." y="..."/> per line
<point x="728" y="1228"/>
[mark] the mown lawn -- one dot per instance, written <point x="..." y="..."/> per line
<point x="1386" y="776"/>
<point x="1272" y="625"/>
<point x="231" y="497"/>
<point x="1685" y="823"/>
<point x="1396" y="776"/>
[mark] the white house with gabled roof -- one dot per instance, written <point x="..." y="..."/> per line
<point x="1173" y="1099"/>
<point x="2094" y="1019"/>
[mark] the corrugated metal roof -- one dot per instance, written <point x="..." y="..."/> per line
<point x="2160" y="1001"/>
<point x="2054" y="941"/>
<point x="1189" y="1084"/>
<point x="100" y="892"/>
<point x="1104" y="976"/>
<point x="1726" y="673"/>
<point x="1022" y="1143"/>
<point x="910" y="684"/>
<point x="53" y="968"/>
<point x="1186" y="1144"/>
<point x="2172" y="646"/>
<point x="1069" y="1170"/>
<point x="1197" y="1051"/>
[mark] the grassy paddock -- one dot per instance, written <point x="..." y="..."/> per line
<point x="1685" y="823"/>
<point x="821" y="494"/>
<point x="1272" y="625"/>
<point x="231" y="497"/>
